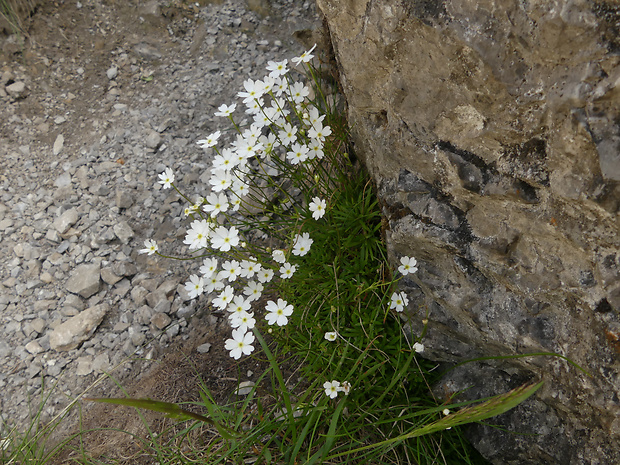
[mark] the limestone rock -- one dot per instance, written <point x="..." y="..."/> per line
<point x="66" y="220"/>
<point x="123" y="231"/>
<point x="490" y="128"/>
<point x="58" y="144"/>
<point x="17" y="90"/>
<point x="77" y="329"/>
<point x="85" y="280"/>
<point x="160" y="320"/>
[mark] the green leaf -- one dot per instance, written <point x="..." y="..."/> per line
<point x="170" y="410"/>
<point x="492" y="407"/>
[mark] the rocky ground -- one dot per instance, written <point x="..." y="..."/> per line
<point x="95" y="101"/>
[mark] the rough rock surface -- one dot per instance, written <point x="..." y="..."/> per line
<point x="491" y="128"/>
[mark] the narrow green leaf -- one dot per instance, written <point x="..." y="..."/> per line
<point x="170" y="410"/>
<point x="492" y="407"/>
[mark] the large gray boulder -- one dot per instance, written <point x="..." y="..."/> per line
<point x="492" y="130"/>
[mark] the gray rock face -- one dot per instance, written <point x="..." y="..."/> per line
<point x="491" y="130"/>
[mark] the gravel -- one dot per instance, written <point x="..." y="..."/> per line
<point x="78" y="191"/>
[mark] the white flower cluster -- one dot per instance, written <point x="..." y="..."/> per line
<point x="332" y="388"/>
<point x="284" y="127"/>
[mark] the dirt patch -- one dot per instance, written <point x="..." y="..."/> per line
<point x="176" y="377"/>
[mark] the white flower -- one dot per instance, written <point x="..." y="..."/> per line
<point x="399" y="301"/>
<point x="316" y="149"/>
<point x="314" y="116"/>
<point x="213" y="283"/>
<point x="216" y="203"/>
<point x="254" y="107"/>
<point x="408" y="265"/>
<point x="242" y="320"/>
<point x="230" y="270"/>
<point x="151" y="247"/>
<point x="221" y="179"/>
<point x="298" y="91"/>
<point x="331" y="336"/>
<point x="194" y="286"/>
<point x="302" y="244"/>
<point x="287" y="270"/>
<point x="305" y="57"/>
<point x="297" y="154"/>
<point x="249" y="268"/>
<point x="446" y="411"/>
<point x="319" y="132"/>
<point x="253" y="290"/>
<point x="288" y="134"/>
<point x="279" y="256"/>
<point x="268" y="83"/>
<point x="279" y="86"/>
<point x="346" y="388"/>
<point x="210" y="141"/>
<point x="279" y="312"/>
<point x="331" y="388"/>
<point x="240" y="344"/>
<point x="317" y="207"/>
<point x="277" y="68"/>
<point x="225" y="110"/>
<point x="166" y="178"/>
<point x="225" y="161"/>
<point x="223" y="239"/>
<point x="198" y="234"/>
<point x="254" y="90"/>
<point x="269" y="142"/>
<point x="265" y="275"/>
<point x="208" y="268"/>
<point x="239" y="304"/>
<point x="225" y="298"/>
<point x="419" y="348"/>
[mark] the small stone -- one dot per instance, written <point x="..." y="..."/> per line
<point x="173" y="330"/>
<point x="160" y="320"/>
<point x="37" y="325"/>
<point x="85" y="280"/>
<point x="5" y="349"/>
<point x="168" y="287"/>
<point x="101" y="362"/>
<point x="84" y="366"/>
<point x="70" y="334"/>
<point x="137" y="339"/>
<point x="109" y="277"/>
<point x="244" y="388"/>
<point x="34" y="347"/>
<point x="124" y="268"/>
<point x="66" y="220"/>
<point x="75" y="302"/>
<point x="204" y="348"/>
<point x="123" y="231"/>
<point x="17" y="90"/>
<point x="58" y="144"/>
<point x="163" y="306"/>
<point x="153" y="140"/>
<point x="52" y="236"/>
<point x="183" y="294"/>
<point x="112" y="72"/>
<point x="138" y="295"/>
<point x="123" y="199"/>
<point x="63" y="180"/>
<point x="143" y="315"/>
